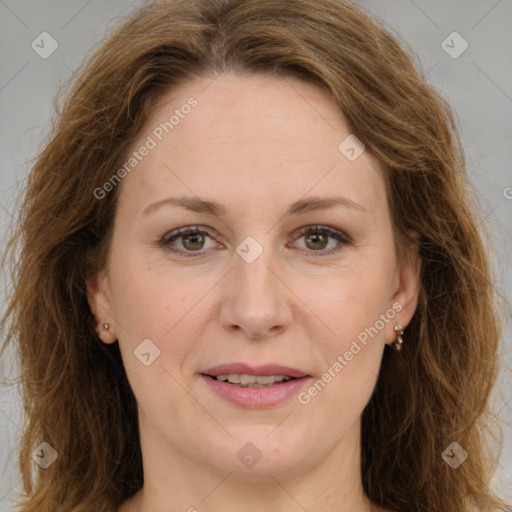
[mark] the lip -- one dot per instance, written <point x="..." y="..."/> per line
<point x="254" y="398"/>
<point x="264" y="370"/>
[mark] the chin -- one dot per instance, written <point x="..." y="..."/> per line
<point x="259" y="453"/>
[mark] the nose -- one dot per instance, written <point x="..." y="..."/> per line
<point x="256" y="298"/>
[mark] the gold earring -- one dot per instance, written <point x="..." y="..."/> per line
<point x="106" y="326"/>
<point x="397" y="344"/>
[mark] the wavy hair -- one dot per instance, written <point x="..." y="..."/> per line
<point x="74" y="388"/>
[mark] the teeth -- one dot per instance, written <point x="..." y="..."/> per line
<point x="245" y="379"/>
<point x="251" y="380"/>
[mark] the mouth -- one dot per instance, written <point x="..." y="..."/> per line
<point x="255" y="388"/>
<point x="245" y="376"/>
<point x="251" y="381"/>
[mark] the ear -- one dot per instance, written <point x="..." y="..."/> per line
<point x="98" y="297"/>
<point x="406" y="288"/>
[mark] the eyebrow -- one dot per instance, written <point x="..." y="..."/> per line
<point x="299" y="207"/>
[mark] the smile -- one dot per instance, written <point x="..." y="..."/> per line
<point x="252" y="381"/>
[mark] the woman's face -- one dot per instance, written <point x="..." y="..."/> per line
<point x="272" y="277"/>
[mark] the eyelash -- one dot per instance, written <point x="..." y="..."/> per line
<point x="324" y="230"/>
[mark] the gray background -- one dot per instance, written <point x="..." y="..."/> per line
<point x="477" y="84"/>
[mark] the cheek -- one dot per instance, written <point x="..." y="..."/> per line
<point x="352" y="300"/>
<point x="349" y="357"/>
<point x="166" y="307"/>
<point x="158" y="318"/>
<point x="355" y="305"/>
<point x="147" y="302"/>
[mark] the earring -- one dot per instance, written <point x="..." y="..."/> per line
<point x="397" y="344"/>
<point x="106" y="326"/>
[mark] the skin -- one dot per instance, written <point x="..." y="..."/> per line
<point x="255" y="144"/>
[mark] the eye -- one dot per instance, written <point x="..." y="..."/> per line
<point x="193" y="239"/>
<point x="316" y="238"/>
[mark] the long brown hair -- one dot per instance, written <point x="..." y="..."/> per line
<point x="74" y="388"/>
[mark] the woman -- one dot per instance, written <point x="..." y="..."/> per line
<point x="250" y="275"/>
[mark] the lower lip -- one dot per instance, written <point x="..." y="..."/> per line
<point x="256" y="397"/>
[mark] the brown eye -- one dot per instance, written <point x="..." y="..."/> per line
<point x="186" y="241"/>
<point x="316" y="239"/>
<point x="193" y="241"/>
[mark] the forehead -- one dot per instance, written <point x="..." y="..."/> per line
<point x="252" y="137"/>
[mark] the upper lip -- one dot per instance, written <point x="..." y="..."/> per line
<point x="267" y="369"/>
